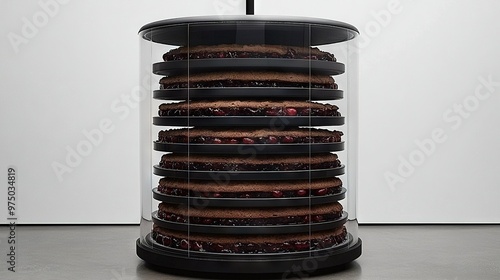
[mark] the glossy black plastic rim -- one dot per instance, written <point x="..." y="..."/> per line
<point x="249" y="149"/>
<point x="225" y="176"/>
<point x="181" y="67"/>
<point x="252" y="18"/>
<point x="282" y="264"/>
<point x="248" y="92"/>
<point x="264" y="121"/>
<point x="277" y="30"/>
<point x="249" y="202"/>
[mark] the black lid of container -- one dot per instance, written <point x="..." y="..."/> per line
<point x="249" y="29"/>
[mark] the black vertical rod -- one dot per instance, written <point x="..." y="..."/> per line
<point x="250" y="7"/>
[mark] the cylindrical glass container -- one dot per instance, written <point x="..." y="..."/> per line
<point x="249" y="144"/>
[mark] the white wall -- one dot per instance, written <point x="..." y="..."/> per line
<point x="75" y="69"/>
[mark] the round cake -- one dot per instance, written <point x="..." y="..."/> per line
<point x="248" y="79"/>
<point x="250" y="216"/>
<point x="170" y="216"/>
<point x="256" y="163"/>
<point x="250" y="189"/>
<point x="249" y="244"/>
<point x="247" y="108"/>
<point x="248" y="136"/>
<point x="247" y="51"/>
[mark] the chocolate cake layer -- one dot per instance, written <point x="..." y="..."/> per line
<point x="248" y="136"/>
<point x="247" y="51"/>
<point x="245" y="163"/>
<point x="250" y="216"/>
<point x="248" y="79"/>
<point x="250" y="189"/>
<point x="249" y="244"/>
<point x="247" y="108"/>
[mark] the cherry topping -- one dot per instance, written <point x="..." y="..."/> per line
<point x="317" y="218"/>
<point x="158" y="239"/>
<point x="301" y="246"/>
<point x="326" y="243"/>
<point x="167" y="240"/>
<point x="287" y="139"/>
<point x="291" y="112"/>
<point x="272" y="140"/>
<point x="247" y="140"/>
<point x="302" y="192"/>
<point x="184" y="244"/>
<point x="219" y="112"/>
<point x="272" y="112"/>
<point x="217" y="195"/>
<point x="321" y="192"/>
<point x="196" y="246"/>
<point x="277" y="194"/>
<point x="218" y="248"/>
<point x="305" y="112"/>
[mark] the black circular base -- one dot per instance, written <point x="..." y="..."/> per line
<point x="288" y="268"/>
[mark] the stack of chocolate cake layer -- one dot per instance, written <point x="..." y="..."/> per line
<point x="217" y="172"/>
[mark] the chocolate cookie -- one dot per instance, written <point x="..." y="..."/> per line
<point x="250" y="189"/>
<point x="247" y="51"/>
<point x="248" y="79"/>
<point x="256" y="163"/>
<point x="248" y="136"/>
<point x="249" y="244"/>
<point x="250" y="216"/>
<point x="247" y="108"/>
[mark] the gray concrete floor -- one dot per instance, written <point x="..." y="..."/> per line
<point x="389" y="252"/>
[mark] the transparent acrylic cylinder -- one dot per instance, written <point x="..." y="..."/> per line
<point x="189" y="251"/>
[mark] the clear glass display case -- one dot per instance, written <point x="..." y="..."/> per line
<point x="249" y="144"/>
